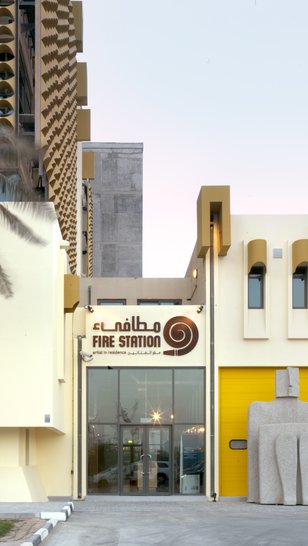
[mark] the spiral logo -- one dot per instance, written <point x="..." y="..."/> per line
<point x="182" y="334"/>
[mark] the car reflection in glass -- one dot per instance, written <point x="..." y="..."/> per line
<point x="110" y="475"/>
<point x="196" y="468"/>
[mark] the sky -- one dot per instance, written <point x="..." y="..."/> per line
<point x="217" y="92"/>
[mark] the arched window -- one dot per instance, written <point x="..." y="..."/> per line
<point x="299" y="273"/>
<point x="256" y="287"/>
<point x="299" y="288"/>
<point x="257" y="262"/>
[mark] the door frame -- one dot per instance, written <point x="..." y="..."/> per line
<point x="146" y="491"/>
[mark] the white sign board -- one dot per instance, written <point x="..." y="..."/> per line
<point x="149" y="335"/>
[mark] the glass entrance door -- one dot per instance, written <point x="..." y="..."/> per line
<point x="146" y="461"/>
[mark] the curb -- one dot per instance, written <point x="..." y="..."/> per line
<point x="53" y="518"/>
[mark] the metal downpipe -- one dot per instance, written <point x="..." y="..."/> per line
<point x="89" y="294"/>
<point x="79" y="419"/>
<point x="212" y="364"/>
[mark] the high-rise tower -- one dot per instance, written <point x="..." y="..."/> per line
<point x="43" y="91"/>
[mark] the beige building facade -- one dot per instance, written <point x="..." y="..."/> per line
<point x="248" y="279"/>
<point x="144" y="388"/>
<point x="36" y="386"/>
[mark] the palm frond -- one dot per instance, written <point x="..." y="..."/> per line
<point x="13" y="149"/>
<point x="15" y="189"/>
<point x="17" y="192"/>
<point x="43" y="210"/>
<point x="8" y="149"/>
<point x="11" y="186"/>
<point x="6" y="288"/>
<point x="12" y="222"/>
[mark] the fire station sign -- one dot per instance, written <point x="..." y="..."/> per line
<point x="167" y="334"/>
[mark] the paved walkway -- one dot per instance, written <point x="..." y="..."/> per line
<point x="171" y="521"/>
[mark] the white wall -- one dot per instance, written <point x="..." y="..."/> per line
<point x="31" y="325"/>
<point x="240" y="340"/>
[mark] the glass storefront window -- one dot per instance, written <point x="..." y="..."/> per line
<point x="188" y="396"/>
<point x="189" y="467"/>
<point x="146" y="431"/>
<point x="102" y="395"/>
<point x="146" y="396"/>
<point x="102" y="459"/>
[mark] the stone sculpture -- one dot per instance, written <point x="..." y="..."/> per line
<point x="278" y="445"/>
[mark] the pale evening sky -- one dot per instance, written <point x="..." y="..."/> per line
<point x="217" y="91"/>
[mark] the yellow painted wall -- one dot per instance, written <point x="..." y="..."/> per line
<point x="55" y="462"/>
<point x="54" y="450"/>
<point x="31" y="322"/>
<point x="36" y="363"/>
<point x="19" y="475"/>
<point x="238" y="387"/>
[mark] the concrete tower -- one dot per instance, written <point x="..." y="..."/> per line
<point x="116" y="196"/>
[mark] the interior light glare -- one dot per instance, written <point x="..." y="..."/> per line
<point x="156" y="416"/>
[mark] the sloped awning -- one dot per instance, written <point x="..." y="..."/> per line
<point x="213" y="199"/>
<point x="257" y="253"/>
<point x="71" y="292"/>
<point x="299" y="253"/>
